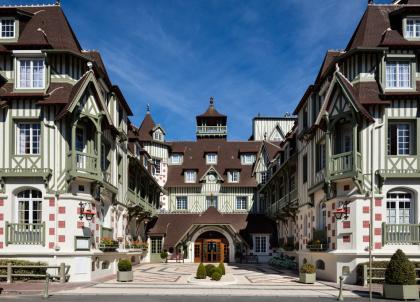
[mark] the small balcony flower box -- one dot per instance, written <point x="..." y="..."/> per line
<point x="108" y="245"/>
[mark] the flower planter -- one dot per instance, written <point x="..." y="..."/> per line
<point x="401" y="292"/>
<point x="307" y="278"/>
<point x="125" y="276"/>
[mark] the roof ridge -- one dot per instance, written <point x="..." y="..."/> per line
<point x="29" y="5"/>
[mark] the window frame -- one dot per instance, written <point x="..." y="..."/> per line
<point x="258" y="240"/>
<point x="209" y="156"/>
<point x="155" y="170"/>
<point x="31" y="138"/>
<point x="241" y="203"/>
<point x="190" y="180"/>
<point x="415" y="20"/>
<point x="248" y="162"/>
<point x="231" y="179"/>
<point x="398" y="200"/>
<point x="31" y="59"/>
<point x="412" y="137"/>
<point x="181" y="200"/>
<point x="179" y="156"/>
<point x="31" y="200"/>
<point x="14" y="28"/>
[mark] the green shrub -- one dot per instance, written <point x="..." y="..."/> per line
<point x="400" y="270"/>
<point x="307" y="268"/>
<point x="124" y="265"/>
<point x="222" y="268"/>
<point x="201" y="272"/>
<point x="164" y="255"/>
<point x="209" y="268"/>
<point x="216" y="276"/>
<point x="34" y="271"/>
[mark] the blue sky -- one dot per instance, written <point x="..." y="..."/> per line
<point x="255" y="56"/>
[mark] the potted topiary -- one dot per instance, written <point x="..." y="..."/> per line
<point x="201" y="272"/>
<point x="307" y="274"/>
<point x="400" y="278"/>
<point x="125" y="273"/>
<point x="164" y="256"/>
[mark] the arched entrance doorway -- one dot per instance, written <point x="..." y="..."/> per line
<point x="211" y="246"/>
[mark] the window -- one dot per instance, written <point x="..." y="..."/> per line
<point x="190" y="176"/>
<point x="211" y="201"/>
<point x="412" y="28"/>
<point x="320" y="265"/>
<point x="233" y="176"/>
<point x="7" y="28"/>
<point x="29" y="206"/>
<point x="156" y="166"/>
<point x="156" y="245"/>
<point x="264" y="177"/>
<point x="320" y="156"/>
<point x="322" y="216"/>
<point x="399" y="208"/>
<point x="181" y="203"/>
<point x="158" y="135"/>
<point x="145" y="161"/>
<point x="400" y="139"/>
<point x="137" y="150"/>
<point x="31" y="73"/>
<point x="120" y="115"/>
<point x="176" y="159"/>
<point x="260" y="244"/>
<point x="120" y="168"/>
<point x="398" y="74"/>
<point x="247" y="159"/>
<point x="211" y="158"/>
<point x="305" y="168"/>
<point x="29" y="137"/>
<point x="241" y="203"/>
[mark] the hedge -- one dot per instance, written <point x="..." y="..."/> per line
<point x="35" y="271"/>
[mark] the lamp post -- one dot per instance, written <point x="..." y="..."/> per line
<point x="372" y="200"/>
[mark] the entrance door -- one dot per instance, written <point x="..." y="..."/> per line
<point x="197" y="252"/>
<point x="212" y="250"/>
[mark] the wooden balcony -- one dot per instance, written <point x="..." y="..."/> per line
<point x="344" y="165"/>
<point x="277" y="207"/>
<point x="135" y="199"/>
<point x="211" y="130"/>
<point x="400" y="234"/>
<point x="25" y="233"/>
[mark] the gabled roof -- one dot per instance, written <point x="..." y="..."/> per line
<point x="209" y="170"/>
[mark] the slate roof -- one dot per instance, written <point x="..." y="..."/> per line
<point x="145" y="131"/>
<point x="174" y="226"/>
<point x="228" y="158"/>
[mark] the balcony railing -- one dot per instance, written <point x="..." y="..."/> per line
<point x="138" y="200"/>
<point x="281" y="203"/>
<point x="400" y="233"/>
<point x="343" y="163"/>
<point x="25" y="233"/>
<point x="211" y="130"/>
<point x="86" y="162"/>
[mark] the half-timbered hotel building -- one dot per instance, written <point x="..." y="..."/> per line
<point x="65" y="193"/>
<point x="357" y="150"/>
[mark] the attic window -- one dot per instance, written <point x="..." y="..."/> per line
<point x="412" y="28"/>
<point x="30" y="73"/>
<point x="233" y="176"/>
<point x="157" y="135"/>
<point x="7" y="28"/>
<point x="398" y="74"/>
<point x="190" y="176"/>
<point x="247" y="159"/>
<point x="211" y="158"/>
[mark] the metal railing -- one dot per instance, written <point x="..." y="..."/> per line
<point x="208" y="130"/>
<point x="25" y="233"/>
<point x="400" y="233"/>
<point x="62" y="271"/>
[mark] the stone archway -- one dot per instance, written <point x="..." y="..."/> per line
<point x="212" y="234"/>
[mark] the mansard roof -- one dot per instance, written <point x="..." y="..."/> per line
<point x="50" y="19"/>
<point x="175" y="226"/>
<point x="228" y="158"/>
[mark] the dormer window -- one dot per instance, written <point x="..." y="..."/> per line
<point x="211" y="158"/>
<point x="158" y="135"/>
<point x="247" y="159"/>
<point x="190" y="176"/>
<point x="7" y="28"/>
<point x="398" y="74"/>
<point x="30" y="73"/>
<point x="176" y="159"/>
<point x="233" y="176"/>
<point x="412" y="28"/>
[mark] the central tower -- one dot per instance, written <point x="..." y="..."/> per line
<point x="211" y="124"/>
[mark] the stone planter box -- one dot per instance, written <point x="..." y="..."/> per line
<point x="307" y="278"/>
<point x="401" y="292"/>
<point x="125" y="276"/>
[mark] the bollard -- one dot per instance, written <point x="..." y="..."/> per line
<point x="62" y="273"/>
<point x="340" y="293"/>
<point x="9" y="272"/>
<point x="47" y="281"/>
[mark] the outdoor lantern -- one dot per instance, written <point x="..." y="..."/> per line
<point x="341" y="212"/>
<point x="87" y="212"/>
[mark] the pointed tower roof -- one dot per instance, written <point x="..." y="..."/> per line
<point x="211" y="111"/>
<point x="146" y="128"/>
